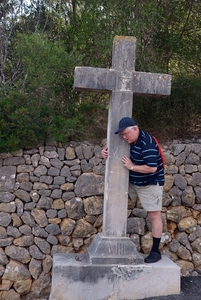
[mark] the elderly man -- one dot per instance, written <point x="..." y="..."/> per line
<point x="146" y="176"/>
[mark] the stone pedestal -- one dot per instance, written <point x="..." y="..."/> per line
<point x="75" y="278"/>
<point x="113" y="250"/>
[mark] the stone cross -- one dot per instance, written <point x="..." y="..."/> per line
<point x="121" y="82"/>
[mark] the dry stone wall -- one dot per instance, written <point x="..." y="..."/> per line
<point x="51" y="200"/>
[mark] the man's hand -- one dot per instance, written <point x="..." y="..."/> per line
<point x="104" y="152"/>
<point x="127" y="162"/>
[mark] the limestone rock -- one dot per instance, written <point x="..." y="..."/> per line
<point x="34" y="195"/>
<point x="7" y="177"/>
<point x="136" y="240"/>
<point x="177" y="149"/>
<point x="146" y="242"/>
<point x="18" y="253"/>
<point x="89" y="184"/>
<point x="6" y="242"/>
<point x="83" y="229"/>
<point x="16" y="220"/>
<point x="61" y="249"/>
<point x="77" y="243"/>
<point x="40" y="217"/>
<point x="165" y="238"/>
<point x="6" y="197"/>
<point x="44" y="203"/>
<point x="176" y="214"/>
<point x="2" y="270"/>
<point x="186" y="267"/>
<point x="16" y="271"/>
<point x="174" y="245"/>
<point x="193" y="159"/>
<point x="45" y="161"/>
<point x="169" y="180"/>
<point x="5" y="285"/>
<point x="197" y="261"/>
<point x="53" y="229"/>
<point x="183" y="253"/>
<point x="5" y="219"/>
<point x="23" y="241"/>
<point x="67" y="226"/>
<point x="136" y="225"/>
<point x="42" y="245"/>
<point x="35" y="268"/>
<point x="98" y="222"/>
<point x="47" y="264"/>
<point x="23" y="286"/>
<point x="39" y="285"/>
<point x="35" y="252"/>
<point x="28" y="219"/>
<point x="64" y="240"/>
<point x="175" y="193"/>
<point x="196" y="245"/>
<point x="197" y="177"/>
<point x="25" y="229"/>
<point x="187" y="224"/>
<point x="40" y="170"/>
<point x="20" y="207"/>
<point x="23" y="195"/>
<point x="52" y="240"/>
<point x="171" y="226"/>
<point x="57" y="204"/>
<point x="188" y="197"/>
<point x="180" y="159"/>
<point x="3" y="233"/>
<point x="75" y="208"/>
<point x="3" y="257"/>
<point x="38" y="231"/>
<point x="9" y="295"/>
<point x="197" y="190"/>
<point x="8" y="207"/>
<point x="93" y="205"/>
<point x="87" y="151"/>
<point x="168" y="253"/>
<point x="180" y="181"/>
<point x="70" y="153"/>
<point x="182" y="237"/>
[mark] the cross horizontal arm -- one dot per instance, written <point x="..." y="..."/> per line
<point x="94" y="79"/>
<point x="151" y="84"/>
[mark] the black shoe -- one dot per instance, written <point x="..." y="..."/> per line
<point x="153" y="257"/>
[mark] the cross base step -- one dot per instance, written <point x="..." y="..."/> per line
<point x="75" y="278"/>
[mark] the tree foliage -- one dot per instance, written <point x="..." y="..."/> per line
<point x="41" y="42"/>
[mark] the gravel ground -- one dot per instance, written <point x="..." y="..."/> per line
<point x="190" y="290"/>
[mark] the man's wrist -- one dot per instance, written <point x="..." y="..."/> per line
<point x="132" y="168"/>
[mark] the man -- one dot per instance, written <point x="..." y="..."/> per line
<point x="146" y="176"/>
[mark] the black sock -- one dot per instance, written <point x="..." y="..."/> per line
<point x="156" y="243"/>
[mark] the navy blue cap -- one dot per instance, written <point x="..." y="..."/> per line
<point x="124" y="123"/>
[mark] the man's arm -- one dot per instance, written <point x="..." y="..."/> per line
<point x="141" y="169"/>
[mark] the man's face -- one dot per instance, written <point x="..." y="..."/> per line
<point x="130" y="134"/>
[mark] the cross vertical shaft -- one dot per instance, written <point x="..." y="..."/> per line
<point x="116" y="176"/>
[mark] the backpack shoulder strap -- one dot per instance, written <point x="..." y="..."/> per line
<point x="160" y="151"/>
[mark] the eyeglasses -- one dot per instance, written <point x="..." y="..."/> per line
<point x="126" y="133"/>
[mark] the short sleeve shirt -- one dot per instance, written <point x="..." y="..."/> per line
<point x="145" y="152"/>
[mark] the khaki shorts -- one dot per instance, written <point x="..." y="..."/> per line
<point x="150" y="196"/>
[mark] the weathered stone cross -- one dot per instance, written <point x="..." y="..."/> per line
<point x="122" y="82"/>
